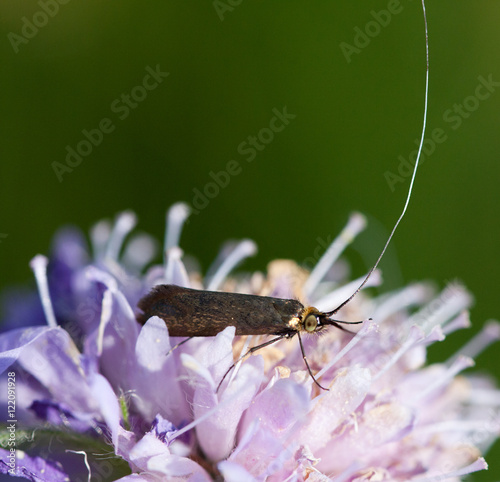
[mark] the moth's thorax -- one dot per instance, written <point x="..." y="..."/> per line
<point x="295" y="323"/>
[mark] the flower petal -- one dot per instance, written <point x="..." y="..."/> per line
<point x="217" y="434"/>
<point x="157" y="391"/>
<point x="108" y="404"/>
<point x="347" y="391"/>
<point x="34" y="469"/>
<point x="278" y="407"/>
<point x="14" y="342"/>
<point x="153" y="456"/>
<point x="233" y="472"/>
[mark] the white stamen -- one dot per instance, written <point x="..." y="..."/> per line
<point x="154" y="276"/>
<point x="39" y="266"/>
<point x="415" y="335"/>
<point x="436" y="334"/>
<point x="479" y="464"/>
<point x="176" y="217"/>
<point x="368" y="326"/>
<point x="348" y="473"/>
<point x="278" y="461"/>
<point x="124" y="305"/>
<point x="96" y="274"/>
<point x="238" y="365"/>
<point x="414" y="294"/>
<point x="355" y="224"/>
<point x="450" y="426"/>
<point x="458" y="323"/>
<point x="124" y="223"/>
<point x="107" y="280"/>
<point x="81" y="452"/>
<point x="484" y="396"/>
<point x="99" y="236"/>
<point x="139" y="251"/>
<point x="194" y="365"/>
<point x="461" y="363"/>
<point x="226" y="401"/>
<point x="247" y="437"/>
<point x="335" y="297"/>
<point x="451" y="301"/>
<point x="488" y="335"/>
<point x="487" y="442"/>
<point x="175" y="271"/>
<point x="107" y="304"/>
<point x="243" y="250"/>
<point x="293" y="476"/>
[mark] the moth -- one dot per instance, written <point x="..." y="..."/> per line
<point x="189" y="313"/>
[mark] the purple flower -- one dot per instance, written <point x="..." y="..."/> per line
<point x="97" y="393"/>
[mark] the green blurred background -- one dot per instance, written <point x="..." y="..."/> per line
<point x="228" y="70"/>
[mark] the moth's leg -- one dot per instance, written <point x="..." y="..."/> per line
<point x="307" y="364"/>
<point x="178" y="345"/>
<point x="251" y="350"/>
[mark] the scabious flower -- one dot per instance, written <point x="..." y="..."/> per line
<point x="96" y="393"/>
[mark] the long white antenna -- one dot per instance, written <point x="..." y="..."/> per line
<point x="374" y="267"/>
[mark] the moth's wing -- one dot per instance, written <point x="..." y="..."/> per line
<point x="189" y="312"/>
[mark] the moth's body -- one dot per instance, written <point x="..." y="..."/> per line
<point x="189" y="313"/>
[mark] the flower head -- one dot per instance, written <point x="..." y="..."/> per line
<point x="98" y="393"/>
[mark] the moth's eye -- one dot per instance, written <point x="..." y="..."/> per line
<point x="310" y="323"/>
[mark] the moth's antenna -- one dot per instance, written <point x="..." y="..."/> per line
<point x="374" y="267"/>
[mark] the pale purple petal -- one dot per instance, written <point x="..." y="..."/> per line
<point x="34" y="469"/>
<point x="217" y="353"/>
<point x="118" y="353"/>
<point x="217" y="434"/>
<point x="258" y="451"/>
<point x="157" y="391"/>
<point x="347" y="392"/>
<point x="233" y="472"/>
<point x="153" y="456"/>
<point x="14" y="342"/>
<point x="147" y="449"/>
<point x="107" y="402"/>
<point x="175" y="271"/>
<point x="139" y="478"/>
<point x="59" y="414"/>
<point x="54" y="361"/>
<point x="366" y="434"/>
<point x="278" y="407"/>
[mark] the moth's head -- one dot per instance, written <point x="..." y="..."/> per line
<point x="312" y="321"/>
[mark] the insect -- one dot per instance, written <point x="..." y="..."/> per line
<point x="190" y="313"/>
